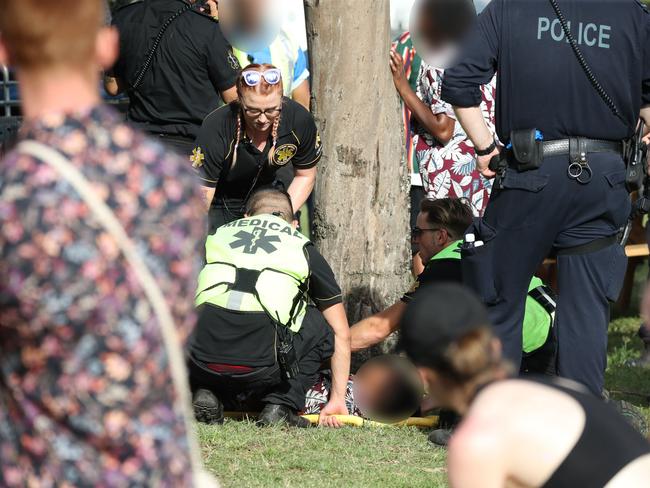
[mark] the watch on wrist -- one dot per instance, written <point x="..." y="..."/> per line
<point x="487" y="150"/>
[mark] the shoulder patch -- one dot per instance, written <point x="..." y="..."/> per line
<point x="233" y="61"/>
<point x="197" y="158"/>
<point x="284" y="154"/>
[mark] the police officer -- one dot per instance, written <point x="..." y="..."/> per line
<point x="257" y="343"/>
<point x="175" y="65"/>
<point x="566" y="192"/>
<point x="242" y="146"/>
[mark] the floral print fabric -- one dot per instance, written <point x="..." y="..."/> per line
<point x="450" y="171"/>
<point x="86" y="395"/>
<point x="318" y="396"/>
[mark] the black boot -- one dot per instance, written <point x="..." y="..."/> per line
<point x="448" y="421"/>
<point x="279" y="414"/>
<point x="207" y="407"/>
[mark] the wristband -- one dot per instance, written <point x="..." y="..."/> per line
<point x="487" y="150"/>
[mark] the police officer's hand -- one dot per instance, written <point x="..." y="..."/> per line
<point x="483" y="163"/>
<point x="397" y="68"/>
<point x="334" y="407"/>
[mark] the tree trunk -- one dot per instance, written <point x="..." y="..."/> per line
<point x="362" y="205"/>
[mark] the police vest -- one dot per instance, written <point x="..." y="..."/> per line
<point x="540" y="305"/>
<point x="257" y="264"/>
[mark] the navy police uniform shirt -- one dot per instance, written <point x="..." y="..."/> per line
<point x="298" y="144"/>
<point x="191" y="67"/>
<point x="540" y="83"/>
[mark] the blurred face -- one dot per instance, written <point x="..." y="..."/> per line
<point x="261" y="111"/>
<point x="430" y="238"/>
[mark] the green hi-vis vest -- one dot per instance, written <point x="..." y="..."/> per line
<point x="257" y="264"/>
<point x="540" y="305"/>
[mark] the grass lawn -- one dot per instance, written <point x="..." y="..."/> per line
<point x="242" y="455"/>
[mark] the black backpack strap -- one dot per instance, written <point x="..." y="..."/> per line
<point x="545" y="297"/>
<point x="156" y="43"/>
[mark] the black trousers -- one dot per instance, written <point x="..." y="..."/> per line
<point x="314" y="344"/>
<point x="181" y="145"/>
<point x="543" y="361"/>
<point x="534" y="212"/>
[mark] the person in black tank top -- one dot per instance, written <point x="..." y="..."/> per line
<point x="515" y="432"/>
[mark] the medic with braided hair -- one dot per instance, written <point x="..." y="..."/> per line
<point x="242" y="146"/>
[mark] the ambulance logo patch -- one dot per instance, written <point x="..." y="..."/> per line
<point x="252" y="242"/>
<point x="284" y="154"/>
<point x="197" y="158"/>
<point x="233" y="61"/>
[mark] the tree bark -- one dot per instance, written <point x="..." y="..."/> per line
<point x="362" y="205"/>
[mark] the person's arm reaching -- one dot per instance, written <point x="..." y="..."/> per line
<point x="306" y="159"/>
<point x="229" y="95"/>
<point x="471" y="118"/>
<point x="301" y="186"/>
<point x="208" y="195"/>
<point x="374" y="329"/>
<point x="213" y="150"/>
<point x="326" y="294"/>
<point x="335" y="316"/>
<point x="302" y="94"/>
<point x="440" y="126"/>
<point x="461" y="86"/>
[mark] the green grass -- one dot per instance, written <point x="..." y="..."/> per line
<point x="243" y="455"/>
<point x="625" y="383"/>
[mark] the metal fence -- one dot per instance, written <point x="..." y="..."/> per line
<point x="9" y="104"/>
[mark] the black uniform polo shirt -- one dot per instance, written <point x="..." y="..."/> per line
<point x="436" y="271"/>
<point x="540" y="83"/>
<point x="248" y="339"/>
<point x="298" y="144"/>
<point x="192" y="65"/>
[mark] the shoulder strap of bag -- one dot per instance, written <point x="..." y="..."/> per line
<point x="154" y="295"/>
<point x="154" y="47"/>
<point x="585" y="67"/>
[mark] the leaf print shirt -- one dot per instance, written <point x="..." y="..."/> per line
<point x="450" y="171"/>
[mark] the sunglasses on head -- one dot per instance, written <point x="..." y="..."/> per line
<point x="254" y="77"/>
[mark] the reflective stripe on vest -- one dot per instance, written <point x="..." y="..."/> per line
<point x="540" y="305"/>
<point x="257" y="264"/>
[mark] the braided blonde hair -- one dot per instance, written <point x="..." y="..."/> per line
<point x="237" y="138"/>
<point x="274" y="134"/>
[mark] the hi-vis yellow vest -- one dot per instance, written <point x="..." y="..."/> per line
<point x="257" y="264"/>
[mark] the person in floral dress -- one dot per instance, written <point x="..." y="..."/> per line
<point x="86" y="391"/>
